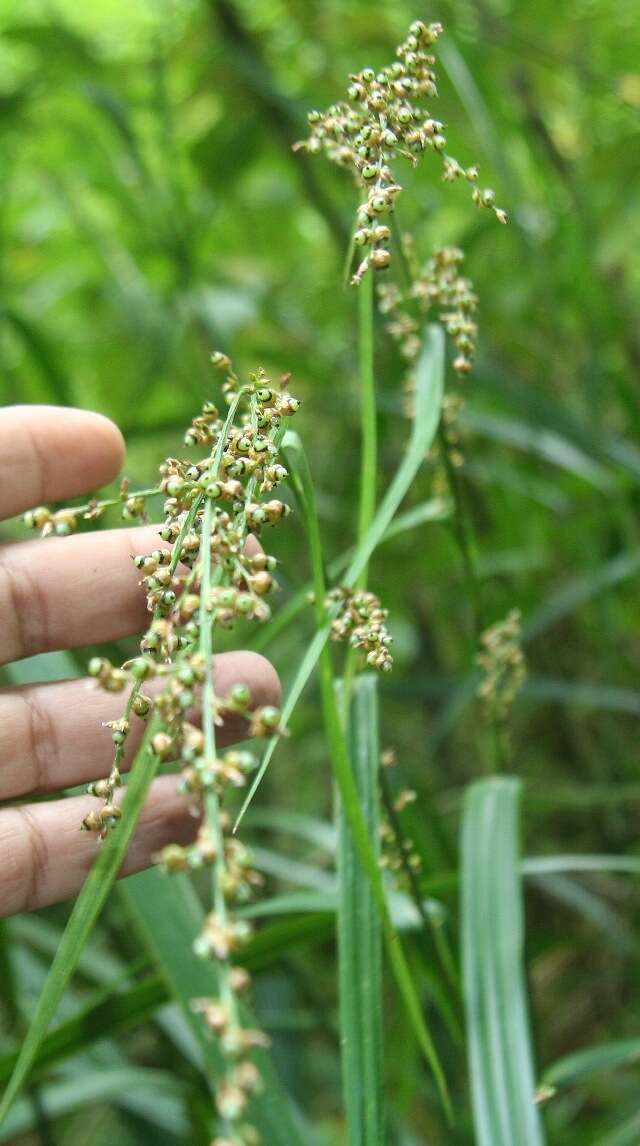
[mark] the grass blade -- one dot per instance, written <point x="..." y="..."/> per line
<point x="581" y="589"/>
<point x="349" y="794"/>
<point x="105" y="1085"/>
<point x="85" y="912"/>
<point x="117" y="1011"/>
<point x="360" y="936"/>
<point x="436" y="509"/>
<point x="582" y="1064"/>
<point x="428" y="403"/>
<point x="500" y="1054"/>
<point x="625" y="1135"/>
<point x="551" y="865"/>
<point x="170" y="916"/>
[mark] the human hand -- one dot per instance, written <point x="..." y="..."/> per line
<point x="62" y="593"/>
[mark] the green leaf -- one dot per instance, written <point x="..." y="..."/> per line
<point x="117" y="1011"/>
<point x="339" y="752"/>
<point x="544" y="443"/>
<point x="360" y="935"/>
<point x="626" y="1135"/>
<point x="582" y="1064"/>
<point x="580" y="590"/>
<point x="551" y="865"/>
<point x="85" y="912"/>
<point x="43" y="351"/>
<point x="427" y="406"/>
<point x="170" y="916"/>
<point x="500" y="1053"/>
<point x="105" y="1085"/>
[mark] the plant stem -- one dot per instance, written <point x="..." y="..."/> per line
<point x="440" y="941"/>
<point x="368" y="452"/>
<point x="212" y="801"/>
<point x="107" y="503"/>
<point x="368" y="419"/>
<point x="464" y="538"/>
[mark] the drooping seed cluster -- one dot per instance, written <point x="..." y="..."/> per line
<point x="503" y="665"/>
<point x="360" y="619"/>
<point x="199" y="577"/>
<point x="381" y="120"/>
<point x="440" y="286"/>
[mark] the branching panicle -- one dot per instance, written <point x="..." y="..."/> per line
<point x="204" y="576"/>
<point x="438" y="286"/>
<point x="383" y="120"/>
<point x="503" y="665"/>
<point x="359" y="618"/>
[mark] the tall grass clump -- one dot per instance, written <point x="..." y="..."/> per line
<point x="208" y="573"/>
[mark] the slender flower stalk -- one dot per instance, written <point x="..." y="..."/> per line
<point x="62" y="522"/>
<point x="368" y="416"/>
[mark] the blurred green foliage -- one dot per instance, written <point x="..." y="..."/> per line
<point x="151" y="210"/>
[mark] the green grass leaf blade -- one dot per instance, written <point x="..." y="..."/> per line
<point x="360" y="935"/>
<point x="551" y="865"/>
<point x="428" y="404"/>
<point x="426" y="417"/>
<point x="577" y="592"/>
<point x="582" y="1064"/>
<point x="117" y="1011"/>
<point x="500" y="1053"/>
<point x="170" y="916"/>
<point x="339" y="752"/>
<point x="106" y="1085"/>
<point x="85" y="912"/>
<point x="625" y="1135"/>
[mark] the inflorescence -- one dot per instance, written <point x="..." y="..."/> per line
<point x="203" y="575"/>
<point x="437" y="286"/>
<point x="503" y="665"/>
<point x="359" y="618"/>
<point x="382" y="120"/>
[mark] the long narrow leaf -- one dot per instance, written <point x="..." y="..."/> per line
<point x="85" y="912"/>
<point x="170" y="916"/>
<point x="360" y="935"/>
<point x="582" y="1064"/>
<point x="428" y="404"/>
<point x="342" y="766"/>
<point x="500" y="1054"/>
<point x="104" y="1086"/>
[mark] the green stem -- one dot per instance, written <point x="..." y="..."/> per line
<point x="439" y="939"/>
<point x="464" y="538"/>
<point x="108" y="502"/>
<point x="212" y="801"/>
<point x="368" y="419"/>
<point x="368" y="452"/>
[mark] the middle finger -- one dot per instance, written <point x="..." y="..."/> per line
<point x="64" y="592"/>
<point x="52" y="735"/>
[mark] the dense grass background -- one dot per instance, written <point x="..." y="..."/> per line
<point x="151" y="210"/>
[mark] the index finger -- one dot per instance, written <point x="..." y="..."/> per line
<point x="48" y="453"/>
